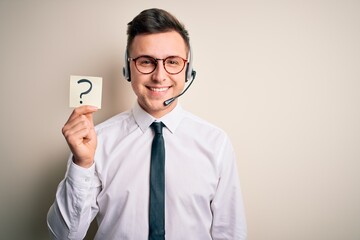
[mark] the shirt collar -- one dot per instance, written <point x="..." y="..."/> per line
<point x="171" y="120"/>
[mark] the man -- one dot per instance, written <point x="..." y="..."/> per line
<point x="194" y="194"/>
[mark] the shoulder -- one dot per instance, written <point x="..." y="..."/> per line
<point x="197" y="121"/>
<point x="203" y="128"/>
<point x="119" y="121"/>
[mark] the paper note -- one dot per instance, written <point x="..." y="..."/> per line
<point x="85" y="91"/>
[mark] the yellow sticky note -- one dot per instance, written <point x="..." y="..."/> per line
<point x="85" y="90"/>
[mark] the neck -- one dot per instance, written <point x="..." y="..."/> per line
<point x="162" y="111"/>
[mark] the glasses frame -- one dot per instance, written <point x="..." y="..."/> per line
<point x="156" y="63"/>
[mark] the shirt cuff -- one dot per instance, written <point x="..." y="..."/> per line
<point x="81" y="176"/>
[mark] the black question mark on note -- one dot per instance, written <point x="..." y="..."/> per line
<point x="87" y="91"/>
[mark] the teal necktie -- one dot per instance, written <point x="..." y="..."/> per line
<point x="157" y="185"/>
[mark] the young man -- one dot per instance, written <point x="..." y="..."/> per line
<point x="113" y="174"/>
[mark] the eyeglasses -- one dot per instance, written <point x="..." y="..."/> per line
<point x="146" y="64"/>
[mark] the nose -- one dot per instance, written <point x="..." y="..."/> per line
<point x="160" y="73"/>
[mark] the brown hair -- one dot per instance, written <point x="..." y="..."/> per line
<point x="155" y="21"/>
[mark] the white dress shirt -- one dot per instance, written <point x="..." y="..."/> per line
<point x="202" y="193"/>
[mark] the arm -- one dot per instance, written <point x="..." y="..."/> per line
<point x="75" y="204"/>
<point x="227" y="206"/>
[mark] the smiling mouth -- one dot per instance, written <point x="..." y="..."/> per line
<point x="163" y="89"/>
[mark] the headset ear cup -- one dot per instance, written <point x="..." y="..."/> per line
<point x="125" y="74"/>
<point x="187" y="73"/>
<point x="193" y="74"/>
<point x="126" y="68"/>
<point x="190" y="73"/>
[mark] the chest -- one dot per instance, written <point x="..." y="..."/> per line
<point x="190" y="170"/>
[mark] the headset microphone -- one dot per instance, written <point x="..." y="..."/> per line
<point x="170" y="100"/>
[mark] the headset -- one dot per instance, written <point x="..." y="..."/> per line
<point x="190" y="72"/>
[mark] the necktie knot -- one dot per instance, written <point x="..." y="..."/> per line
<point x="157" y="126"/>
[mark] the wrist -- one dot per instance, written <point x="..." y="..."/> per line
<point x="83" y="163"/>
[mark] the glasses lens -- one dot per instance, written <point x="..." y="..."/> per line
<point x="145" y="64"/>
<point x="174" y="65"/>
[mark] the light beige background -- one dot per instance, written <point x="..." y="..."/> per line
<point x="281" y="77"/>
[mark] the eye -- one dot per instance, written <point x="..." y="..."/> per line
<point x="173" y="61"/>
<point x="146" y="61"/>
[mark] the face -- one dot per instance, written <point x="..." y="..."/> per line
<point x="154" y="88"/>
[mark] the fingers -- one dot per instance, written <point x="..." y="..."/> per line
<point x="80" y="135"/>
<point x="80" y="125"/>
<point x="83" y="110"/>
<point x="77" y="128"/>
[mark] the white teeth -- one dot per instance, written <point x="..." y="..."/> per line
<point x="158" y="89"/>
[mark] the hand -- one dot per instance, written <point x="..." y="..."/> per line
<point x="80" y="135"/>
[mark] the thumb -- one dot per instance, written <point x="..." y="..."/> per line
<point x="89" y="116"/>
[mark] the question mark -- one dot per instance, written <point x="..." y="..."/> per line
<point x="87" y="91"/>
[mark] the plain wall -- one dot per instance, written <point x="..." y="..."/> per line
<point x="282" y="78"/>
